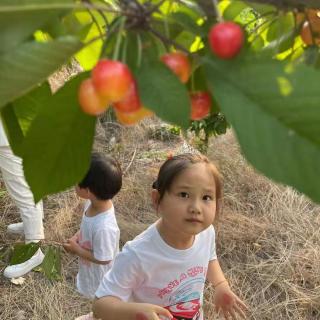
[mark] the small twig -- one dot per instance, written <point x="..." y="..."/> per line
<point x="130" y="163"/>
<point x="218" y="13"/>
<point x="166" y="40"/>
<point x="260" y="17"/>
<point x="139" y="5"/>
<point x="155" y="7"/>
<point x="76" y="6"/>
<point x="44" y="241"/>
<point x="93" y="17"/>
<point x="263" y="23"/>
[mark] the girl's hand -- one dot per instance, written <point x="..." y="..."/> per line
<point x="152" y="312"/>
<point x="229" y="303"/>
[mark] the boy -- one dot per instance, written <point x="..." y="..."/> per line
<point x="97" y="241"/>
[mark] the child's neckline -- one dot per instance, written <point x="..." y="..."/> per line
<point x="97" y="211"/>
<point x="169" y="245"/>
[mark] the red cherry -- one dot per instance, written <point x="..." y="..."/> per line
<point x="308" y="37"/>
<point x="226" y="39"/>
<point x="200" y="105"/>
<point x="89" y="99"/>
<point x="133" y="117"/>
<point x="179" y="63"/>
<point x="131" y="101"/>
<point x="112" y="79"/>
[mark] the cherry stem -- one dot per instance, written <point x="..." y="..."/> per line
<point x="139" y="55"/>
<point x="93" y="17"/>
<point x="168" y="41"/>
<point x="217" y="11"/>
<point x="118" y="40"/>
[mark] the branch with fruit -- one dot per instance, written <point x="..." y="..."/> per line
<point x="199" y="65"/>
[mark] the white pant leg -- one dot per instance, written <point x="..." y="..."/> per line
<point x="18" y="189"/>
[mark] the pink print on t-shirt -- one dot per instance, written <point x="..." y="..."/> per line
<point x="185" y="310"/>
<point x="87" y="245"/>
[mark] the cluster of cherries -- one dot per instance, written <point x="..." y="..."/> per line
<point x="112" y="83"/>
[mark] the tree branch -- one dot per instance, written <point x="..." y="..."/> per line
<point x="289" y="4"/>
<point x="207" y="5"/>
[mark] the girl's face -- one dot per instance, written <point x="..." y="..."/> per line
<point x="189" y="206"/>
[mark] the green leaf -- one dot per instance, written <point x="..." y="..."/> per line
<point x="198" y="81"/>
<point x="23" y="252"/>
<point x="234" y="9"/>
<point x="89" y="55"/>
<point x="274" y="109"/>
<point x="185" y="39"/>
<point x="261" y="8"/>
<point x="58" y="143"/>
<point x="17" y="116"/>
<point x="282" y="25"/>
<point x="13" y="129"/>
<point x="186" y="22"/>
<point x="281" y="33"/>
<point x="51" y="265"/>
<point x="133" y="50"/>
<point x="162" y="92"/>
<point x="167" y="26"/>
<point x="19" y="19"/>
<point x="30" y="64"/>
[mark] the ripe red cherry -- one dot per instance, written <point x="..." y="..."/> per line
<point x="311" y="37"/>
<point x="179" y="63"/>
<point x="112" y="79"/>
<point x="226" y="39"/>
<point x="200" y="105"/>
<point x="131" y="101"/>
<point x="89" y="99"/>
<point x="133" y="117"/>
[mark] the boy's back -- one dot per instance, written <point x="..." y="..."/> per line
<point x="101" y="235"/>
<point x="97" y="241"/>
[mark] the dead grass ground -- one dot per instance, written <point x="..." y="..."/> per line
<point x="268" y="236"/>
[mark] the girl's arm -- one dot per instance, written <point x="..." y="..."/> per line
<point x="72" y="246"/>
<point x="225" y="300"/>
<point x="112" y="308"/>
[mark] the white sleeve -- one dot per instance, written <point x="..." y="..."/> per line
<point x="212" y="236"/>
<point x="105" y="243"/>
<point x="125" y="275"/>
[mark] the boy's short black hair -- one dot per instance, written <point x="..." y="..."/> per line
<point x="104" y="178"/>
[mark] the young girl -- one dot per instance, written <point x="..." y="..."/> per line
<point x="161" y="273"/>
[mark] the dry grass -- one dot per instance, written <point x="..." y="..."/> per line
<point x="268" y="237"/>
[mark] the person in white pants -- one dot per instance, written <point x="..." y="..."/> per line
<point x="31" y="214"/>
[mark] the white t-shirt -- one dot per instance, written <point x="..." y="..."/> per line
<point x="101" y="235"/>
<point x="149" y="270"/>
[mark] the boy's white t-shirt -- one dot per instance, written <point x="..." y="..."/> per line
<point x="99" y="234"/>
<point x="149" y="270"/>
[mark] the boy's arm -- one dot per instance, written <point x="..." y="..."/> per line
<point x="76" y="236"/>
<point x="72" y="246"/>
<point x="112" y="308"/>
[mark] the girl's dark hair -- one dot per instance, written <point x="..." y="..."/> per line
<point x="173" y="166"/>
<point x="104" y="178"/>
